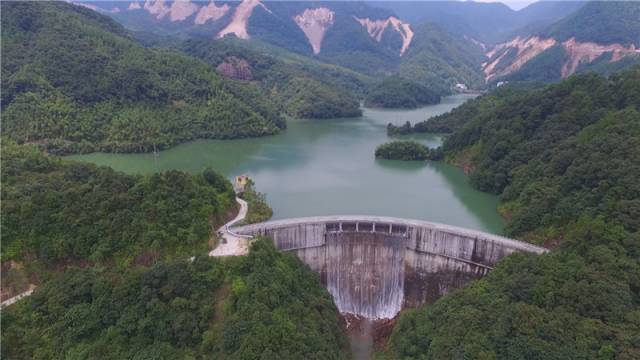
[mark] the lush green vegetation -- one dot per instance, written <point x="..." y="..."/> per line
<point x="540" y="149"/>
<point x="439" y="60"/>
<point x="306" y="98"/>
<point x="73" y="81"/>
<point x="304" y="88"/>
<point x="259" y="210"/>
<point x="546" y="67"/>
<point x="267" y="305"/>
<point x="433" y="65"/>
<point x="459" y="116"/>
<point x="578" y="302"/>
<point x="397" y="92"/>
<point x="565" y="159"/>
<point x="603" y="22"/>
<point x="406" y="150"/>
<point x="59" y="212"/>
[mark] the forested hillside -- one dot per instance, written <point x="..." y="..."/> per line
<point x="488" y="22"/>
<point x="73" y="81"/>
<point x="266" y="305"/>
<point x="431" y="68"/>
<point x="56" y="212"/>
<point x="539" y="148"/>
<point x="601" y="36"/>
<point x="603" y="22"/>
<point x="440" y="60"/>
<point x="303" y="87"/>
<point x="398" y="92"/>
<point x="565" y="160"/>
<point x="455" y="119"/>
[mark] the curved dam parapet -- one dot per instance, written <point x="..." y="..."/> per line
<point x="375" y="266"/>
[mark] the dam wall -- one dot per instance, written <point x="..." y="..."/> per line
<point x="376" y="266"/>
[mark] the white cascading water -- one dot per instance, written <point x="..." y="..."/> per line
<point x="365" y="274"/>
<point x="373" y="274"/>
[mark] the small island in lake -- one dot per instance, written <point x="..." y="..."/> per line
<point x="405" y="150"/>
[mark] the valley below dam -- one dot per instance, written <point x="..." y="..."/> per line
<point x="374" y="267"/>
<point x="327" y="167"/>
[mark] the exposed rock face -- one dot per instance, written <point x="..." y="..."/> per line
<point x="134" y="6"/>
<point x="526" y="50"/>
<point x="314" y="23"/>
<point x="502" y="61"/>
<point x="211" y="12"/>
<point x="373" y="267"/>
<point x="180" y="10"/>
<point x="376" y="29"/>
<point x="157" y="8"/>
<point x="241" y="15"/>
<point x="235" y="68"/>
<point x="588" y="52"/>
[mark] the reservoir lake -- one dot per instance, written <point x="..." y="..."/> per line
<point x="327" y="167"/>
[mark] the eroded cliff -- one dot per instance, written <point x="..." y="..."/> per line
<point x="507" y="58"/>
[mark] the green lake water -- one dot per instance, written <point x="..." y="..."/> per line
<point x="327" y="167"/>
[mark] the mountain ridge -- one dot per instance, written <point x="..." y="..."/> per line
<point x="103" y="91"/>
<point x="597" y="33"/>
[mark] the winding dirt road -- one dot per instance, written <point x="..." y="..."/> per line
<point x="233" y="244"/>
<point x="18" y="297"/>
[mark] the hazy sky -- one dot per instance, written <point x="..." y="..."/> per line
<point x="514" y="4"/>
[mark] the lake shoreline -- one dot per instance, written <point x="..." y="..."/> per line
<point x="327" y="167"/>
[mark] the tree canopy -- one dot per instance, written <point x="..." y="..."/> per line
<point x="398" y="92"/>
<point x="403" y="150"/>
<point x="267" y="305"/>
<point x="565" y="160"/>
<point x="58" y="211"/>
<point x="74" y="81"/>
<point x="304" y="88"/>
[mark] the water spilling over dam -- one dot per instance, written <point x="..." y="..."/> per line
<point x="376" y="266"/>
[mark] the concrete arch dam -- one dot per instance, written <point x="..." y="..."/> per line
<point x="376" y="266"/>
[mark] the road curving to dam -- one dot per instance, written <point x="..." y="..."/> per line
<point x="233" y="244"/>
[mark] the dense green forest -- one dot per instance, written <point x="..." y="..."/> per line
<point x="440" y="60"/>
<point x="565" y="160"/>
<point x="266" y="305"/>
<point x="74" y="81"/>
<point x="433" y="65"/>
<point x="459" y="116"/>
<point x="303" y="87"/>
<point x="540" y="148"/>
<point x="58" y="211"/>
<point x="406" y="150"/>
<point x="580" y="301"/>
<point x="604" y="22"/>
<point x="397" y="92"/>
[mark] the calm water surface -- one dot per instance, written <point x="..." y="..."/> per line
<point x="327" y="167"/>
